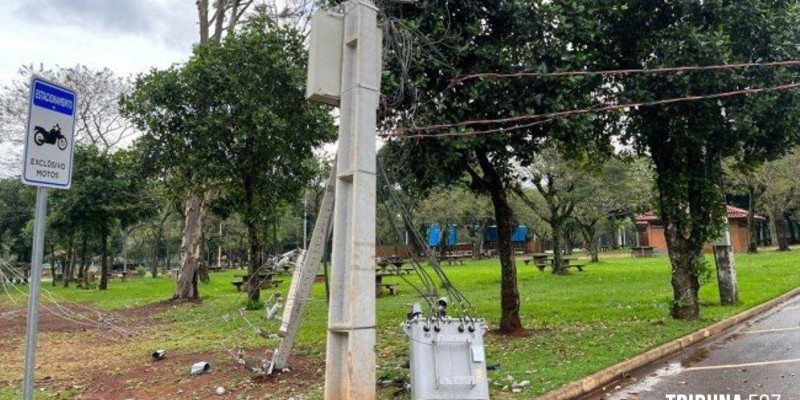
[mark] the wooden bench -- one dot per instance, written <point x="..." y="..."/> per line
<point x="541" y="266"/>
<point x="265" y="284"/>
<point x="579" y="266"/>
<point x="393" y="288"/>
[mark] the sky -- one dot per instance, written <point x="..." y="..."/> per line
<point x="127" y="36"/>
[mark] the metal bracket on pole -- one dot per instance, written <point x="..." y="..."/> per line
<point x="34" y="288"/>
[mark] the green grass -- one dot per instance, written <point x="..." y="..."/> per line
<point x="579" y="323"/>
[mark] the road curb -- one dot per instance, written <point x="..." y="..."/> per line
<point x="599" y="379"/>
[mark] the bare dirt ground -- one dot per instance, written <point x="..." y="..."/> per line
<point x="81" y="357"/>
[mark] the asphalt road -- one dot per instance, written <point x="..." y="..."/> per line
<point x="757" y="360"/>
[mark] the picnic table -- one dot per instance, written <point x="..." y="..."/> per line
<point x="544" y="260"/>
<point x="451" y="259"/>
<point x="383" y="269"/>
<point x="264" y="280"/>
<point x="642" y="251"/>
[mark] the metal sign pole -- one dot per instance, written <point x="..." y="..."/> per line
<point x="34" y="288"/>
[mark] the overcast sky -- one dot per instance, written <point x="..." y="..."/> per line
<point x="127" y="36"/>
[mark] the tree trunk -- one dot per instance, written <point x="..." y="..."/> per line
<point x="504" y="216"/>
<point x="590" y="237"/>
<point x="254" y="285"/>
<point x="69" y="263"/>
<point x="156" y="246"/>
<point x="685" y="269"/>
<point x="726" y="275"/>
<point x="195" y="209"/>
<point x="104" y="272"/>
<point x="558" y="260"/>
<point x="752" y="246"/>
<point x="569" y="242"/>
<point x="82" y="276"/>
<point x="509" y="291"/>
<point x="780" y="232"/>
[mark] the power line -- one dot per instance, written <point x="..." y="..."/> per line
<point x="549" y="117"/>
<point x="630" y="71"/>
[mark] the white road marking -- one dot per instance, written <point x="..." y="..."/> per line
<point x="794" y="328"/>
<point x="753" y="364"/>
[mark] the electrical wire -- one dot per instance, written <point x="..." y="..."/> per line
<point x="612" y="72"/>
<point x="550" y="117"/>
<point x="465" y="306"/>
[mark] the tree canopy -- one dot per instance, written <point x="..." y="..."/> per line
<point x="235" y="119"/>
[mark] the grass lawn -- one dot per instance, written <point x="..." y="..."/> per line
<point x="579" y="323"/>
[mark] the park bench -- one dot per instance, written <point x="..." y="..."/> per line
<point x="265" y="284"/>
<point x="392" y="287"/>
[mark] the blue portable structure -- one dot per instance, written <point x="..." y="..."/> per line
<point x="520" y="234"/>
<point x="452" y="236"/>
<point x="491" y="234"/>
<point x="434" y="235"/>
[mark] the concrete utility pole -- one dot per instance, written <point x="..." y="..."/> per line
<point x="350" y="361"/>
<point x="303" y="279"/>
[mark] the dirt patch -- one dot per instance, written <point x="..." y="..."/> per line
<point x="144" y="378"/>
<point x="62" y="318"/>
<point x="80" y="354"/>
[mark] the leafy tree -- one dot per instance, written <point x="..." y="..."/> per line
<point x="557" y="182"/>
<point x="451" y="38"/>
<point x="687" y="141"/>
<point x="618" y="189"/>
<point x="752" y="181"/>
<point x="16" y="209"/>
<point x="102" y="195"/>
<point x="251" y="140"/>
<point x="780" y="196"/>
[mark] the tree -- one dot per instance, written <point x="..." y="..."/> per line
<point x="251" y="140"/>
<point x="687" y="141"/>
<point x="620" y="188"/>
<point x="16" y="209"/>
<point x="102" y="195"/>
<point x="216" y="18"/>
<point x="497" y="37"/>
<point x="780" y="196"/>
<point x="557" y="182"/>
<point x="749" y="180"/>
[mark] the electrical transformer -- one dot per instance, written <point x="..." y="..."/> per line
<point x="447" y="358"/>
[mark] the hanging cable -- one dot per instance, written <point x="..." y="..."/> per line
<point x="465" y="306"/>
<point x="629" y="71"/>
<point x="549" y="117"/>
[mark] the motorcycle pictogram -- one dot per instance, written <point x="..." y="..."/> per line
<point x="54" y="136"/>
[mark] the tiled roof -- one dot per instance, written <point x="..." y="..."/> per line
<point x="733" y="213"/>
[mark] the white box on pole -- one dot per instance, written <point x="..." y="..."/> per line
<point x="325" y="58"/>
<point x="50" y="135"/>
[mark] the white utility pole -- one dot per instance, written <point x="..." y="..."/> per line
<point x="219" y="247"/>
<point x="350" y="361"/>
<point x="303" y="279"/>
<point x="344" y="66"/>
